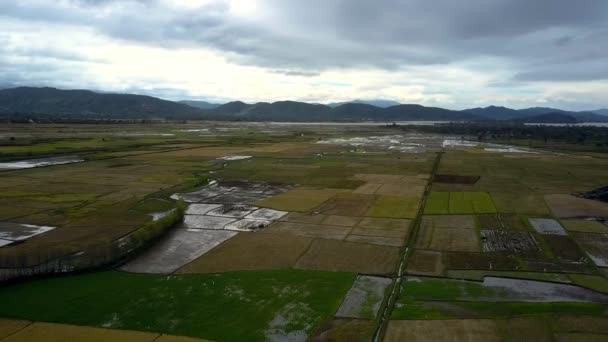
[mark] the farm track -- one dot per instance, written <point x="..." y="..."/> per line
<point x="393" y="294"/>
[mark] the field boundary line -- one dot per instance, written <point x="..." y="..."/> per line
<point x="387" y="309"/>
<point x="18" y="331"/>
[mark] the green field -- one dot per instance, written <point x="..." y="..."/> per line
<point x="193" y="305"/>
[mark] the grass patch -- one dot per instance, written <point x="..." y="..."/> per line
<point x="593" y="282"/>
<point x="459" y="203"/>
<point x="437" y="203"/>
<point x="153" y="205"/>
<point x="200" y="306"/>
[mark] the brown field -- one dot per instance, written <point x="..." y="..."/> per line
<point x="584" y="226"/>
<point x="580" y="337"/>
<point x="49" y="332"/>
<point x="375" y="240"/>
<point x="450" y="221"/>
<point x="368" y="188"/>
<point x="385" y="237"/>
<point x="564" y="248"/>
<point x="423" y="262"/>
<point x="171" y="338"/>
<point x="471" y="330"/>
<point x="455" y="240"/>
<point x="298" y="199"/>
<point x="377" y="178"/>
<point x="528" y="329"/>
<point x="565" y="206"/>
<point x="394" y="207"/>
<point x="380" y="232"/>
<point x="304" y="218"/>
<point x="454" y="233"/>
<point x="345" y="329"/>
<point x="520" y="203"/>
<point x="347" y="204"/>
<point x="337" y="220"/>
<point x="565" y="324"/>
<point x="9" y="327"/>
<point x="596" y="246"/>
<point x="510" y="222"/>
<point x="406" y="186"/>
<point x="385" y="223"/>
<point x="310" y="230"/>
<point x="251" y="251"/>
<point x="339" y="256"/>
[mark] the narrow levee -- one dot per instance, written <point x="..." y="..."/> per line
<point x="393" y="293"/>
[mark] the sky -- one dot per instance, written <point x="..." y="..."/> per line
<point x="446" y="53"/>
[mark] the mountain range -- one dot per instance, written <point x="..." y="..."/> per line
<point x="44" y="103"/>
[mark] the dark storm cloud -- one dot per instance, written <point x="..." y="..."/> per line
<point x="538" y="39"/>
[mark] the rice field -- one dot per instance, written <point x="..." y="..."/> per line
<point x="293" y="234"/>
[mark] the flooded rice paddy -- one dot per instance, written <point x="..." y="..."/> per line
<point x="39" y="162"/>
<point x="216" y="214"/>
<point x="18" y="232"/>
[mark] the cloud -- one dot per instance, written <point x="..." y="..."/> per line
<point x="421" y="43"/>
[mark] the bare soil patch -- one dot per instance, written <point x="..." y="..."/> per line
<point x="339" y="256"/>
<point x="251" y="251"/>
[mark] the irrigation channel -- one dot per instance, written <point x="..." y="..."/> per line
<point x="393" y="294"/>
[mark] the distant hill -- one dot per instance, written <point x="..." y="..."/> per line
<point x="496" y="113"/>
<point x="200" y="104"/>
<point x="376" y="103"/>
<point x="524" y="115"/>
<point x="600" y="111"/>
<point x="25" y="103"/>
<point x="301" y="111"/>
<point x="553" y="117"/>
<point x="40" y="102"/>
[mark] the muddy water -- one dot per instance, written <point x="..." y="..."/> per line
<point x="538" y="291"/>
<point x="31" y="163"/>
<point x="20" y="232"/>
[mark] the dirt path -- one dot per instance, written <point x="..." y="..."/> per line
<point x="393" y="294"/>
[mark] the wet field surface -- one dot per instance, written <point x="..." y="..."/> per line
<point x="31" y="163"/>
